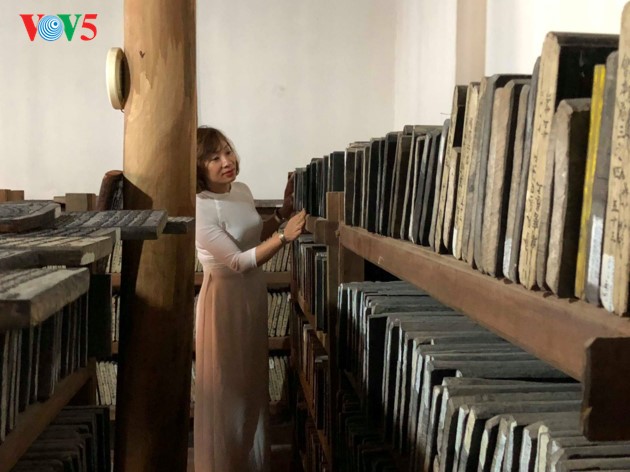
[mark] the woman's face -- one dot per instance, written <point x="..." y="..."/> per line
<point x="221" y="165"/>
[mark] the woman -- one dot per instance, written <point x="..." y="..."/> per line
<point x="232" y="390"/>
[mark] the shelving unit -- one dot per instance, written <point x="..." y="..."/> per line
<point x="32" y="421"/>
<point x="580" y="339"/>
<point x="584" y="341"/>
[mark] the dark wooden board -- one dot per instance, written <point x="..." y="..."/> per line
<point x="16" y="217"/>
<point x="600" y="183"/>
<point x="499" y="170"/>
<point x="515" y="181"/>
<point x="28" y="297"/>
<point x="480" y="156"/>
<point x="569" y="170"/>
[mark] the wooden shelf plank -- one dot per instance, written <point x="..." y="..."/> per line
<point x="278" y="280"/>
<point x="310" y="223"/>
<point x="32" y="422"/>
<point x="555" y="330"/>
<point x="280" y="344"/>
<point x="323" y="230"/>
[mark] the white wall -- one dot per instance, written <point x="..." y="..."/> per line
<point x="516" y="29"/>
<point x="290" y="80"/>
<point x="58" y="132"/>
<point x="286" y="80"/>
<point x="425" y="61"/>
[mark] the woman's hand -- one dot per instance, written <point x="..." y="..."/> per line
<point x="287" y="204"/>
<point x="295" y="226"/>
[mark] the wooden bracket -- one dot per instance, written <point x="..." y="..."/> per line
<point x="606" y="380"/>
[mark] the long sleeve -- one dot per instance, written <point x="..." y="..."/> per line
<point x="216" y="241"/>
<point x="228" y="229"/>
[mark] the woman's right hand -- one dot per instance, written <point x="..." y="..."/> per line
<point x="295" y="226"/>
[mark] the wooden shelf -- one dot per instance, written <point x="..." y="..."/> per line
<point x="278" y="280"/>
<point x="275" y="344"/>
<point x="323" y="337"/>
<point x="275" y="280"/>
<point x="34" y="420"/>
<point x="323" y="230"/>
<point x="555" y="330"/>
<point x="280" y="344"/>
<point x="584" y="341"/>
<point x="306" y="390"/>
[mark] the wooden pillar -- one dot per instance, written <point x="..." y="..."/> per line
<point x="157" y="289"/>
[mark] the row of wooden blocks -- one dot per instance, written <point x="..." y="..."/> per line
<point x="449" y="395"/>
<point x="526" y="180"/>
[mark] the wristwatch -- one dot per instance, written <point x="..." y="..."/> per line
<point x="282" y="237"/>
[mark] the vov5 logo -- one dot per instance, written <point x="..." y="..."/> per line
<point x="51" y="27"/>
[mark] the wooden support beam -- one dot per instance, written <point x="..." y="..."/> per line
<point x="153" y="397"/>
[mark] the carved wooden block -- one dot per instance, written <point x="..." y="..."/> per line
<point x="17" y="217"/>
<point x="499" y="170"/>
<point x="133" y="224"/>
<point x="600" y="183"/>
<point x="568" y="188"/>
<point x="470" y="117"/>
<point x="28" y="297"/>
<point x="597" y="102"/>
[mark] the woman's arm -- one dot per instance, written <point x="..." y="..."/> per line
<point x="214" y="239"/>
<point x="269" y="247"/>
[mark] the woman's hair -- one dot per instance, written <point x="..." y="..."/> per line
<point x="210" y="141"/>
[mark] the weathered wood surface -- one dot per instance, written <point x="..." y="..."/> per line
<point x="564" y="57"/>
<point x="600" y="183"/>
<point x="374" y="163"/>
<point x="80" y="202"/>
<point x="17" y="259"/>
<point x="568" y="188"/>
<point x="515" y="181"/>
<point x="420" y="152"/>
<point x="28" y="297"/>
<point x="480" y="154"/>
<point x="499" y="173"/>
<point x="386" y="173"/>
<point x="179" y="225"/>
<point x="429" y="189"/>
<point x="17" y="217"/>
<point x="451" y="197"/>
<point x="110" y="193"/>
<point x="521" y="198"/>
<point x="435" y="218"/>
<point x="454" y="140"/>
<point x="597" y="106"/>
<point x="159" y="170"/>
<point x="64" y="249"/>
<point x="615" y="272"/>
<point x="399" y="184"/>
<point x="470" y="185"/>
<point x="470" y="118"/>
<point x="133" y="224"/>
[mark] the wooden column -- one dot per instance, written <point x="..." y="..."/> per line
<point x="157" y="289"/>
